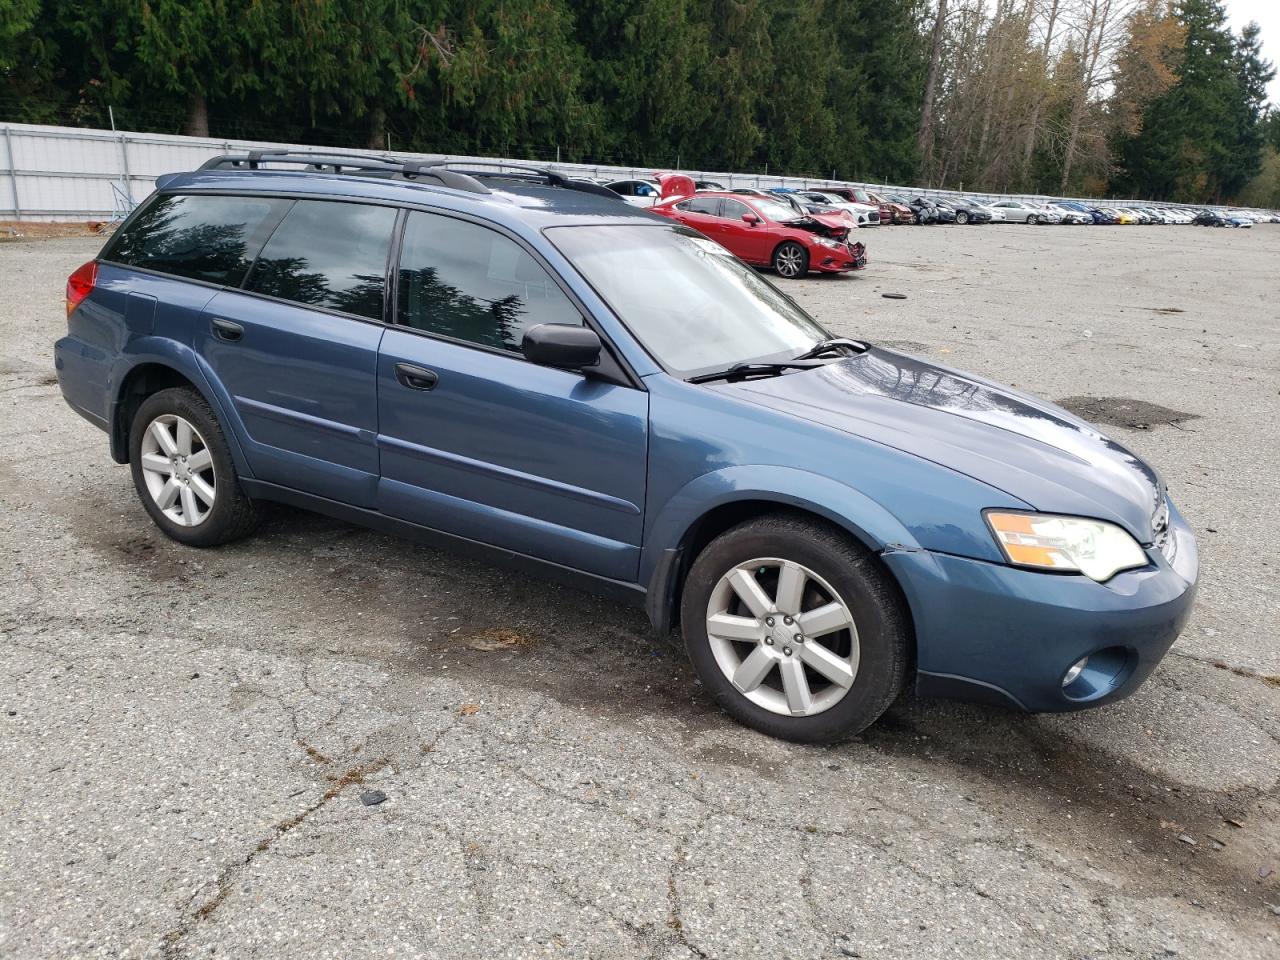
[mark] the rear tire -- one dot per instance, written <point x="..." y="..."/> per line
<point x="183" y="472"/>
<point x="815" y="597"/>
<point x="961" y="217"/>
<point x="790" y="260"/>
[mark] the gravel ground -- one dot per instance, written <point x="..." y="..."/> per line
<point x="195" y="743"/>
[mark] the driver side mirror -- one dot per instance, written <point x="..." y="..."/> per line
<point x="562" y="345"/>
<point x="751" y="219"/>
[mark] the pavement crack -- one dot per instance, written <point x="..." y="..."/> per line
<point x="675" y="917"/>
<point x="225" y="882"/>
<point x="1269" y="679"/>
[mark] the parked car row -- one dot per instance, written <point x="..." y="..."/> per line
<point x="869" y="209"/>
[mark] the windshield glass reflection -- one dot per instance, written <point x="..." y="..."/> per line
<point x="693" y="305"/>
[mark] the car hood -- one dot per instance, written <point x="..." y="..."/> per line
<point x="1028" y="448"/>
<point x="830" y="225"/>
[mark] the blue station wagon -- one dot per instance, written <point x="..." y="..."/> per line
<point x="516" y="363"/>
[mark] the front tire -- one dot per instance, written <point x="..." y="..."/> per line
<point x="962" y="218"/>
<point x="794" y="629"/>
<point x="183" y="472"/>
<point x="790" y="260"/>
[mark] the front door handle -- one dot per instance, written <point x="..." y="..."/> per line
<point x="226" y="330"/>
<point x="415" y="377"/>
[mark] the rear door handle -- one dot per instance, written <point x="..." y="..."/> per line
<point x="415" y="377"/>
<point x="226" y="330"/>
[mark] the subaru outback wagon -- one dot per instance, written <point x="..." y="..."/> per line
<point x="516" y="363"/>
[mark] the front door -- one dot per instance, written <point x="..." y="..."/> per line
<point x="478" y="442"/>
<point x="753" y="242"/>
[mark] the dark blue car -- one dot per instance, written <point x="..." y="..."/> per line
<point x="518" y="364"/>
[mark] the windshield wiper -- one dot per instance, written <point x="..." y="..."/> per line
<point x="740" y="371"/>
<point x="826" y="346"/>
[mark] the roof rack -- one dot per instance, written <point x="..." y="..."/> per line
<point x="438" y="170"/>
<point x="505" y="169"/>
<point x="359" y="163"/>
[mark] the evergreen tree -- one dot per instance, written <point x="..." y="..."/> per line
<point x="643" y="63"/>
<point x="739" y="68"/>
<point x="884" y="50"/>
<point x="1200" y="140"/>
<point x="796" y="114"/>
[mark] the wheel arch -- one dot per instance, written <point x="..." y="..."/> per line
<point x="678" y="535"/>
<point x="159" y="366"/>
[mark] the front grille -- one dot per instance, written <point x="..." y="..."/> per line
<point x="1161" y="534"/>
<point x="873" y="218"/>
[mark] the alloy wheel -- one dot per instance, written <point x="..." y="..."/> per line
<point x="783" y="636"/>
<point x="177" y="466"/>
<point x="790" y="259"/>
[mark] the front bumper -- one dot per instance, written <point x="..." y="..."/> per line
<point x="998" y="634"/>
<point x="852" y="256"/>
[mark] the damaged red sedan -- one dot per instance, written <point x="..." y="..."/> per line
<point x="769" y="233"/>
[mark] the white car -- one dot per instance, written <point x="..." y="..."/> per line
<point x="638" y="193"/>
<point x="998" y="214"/>
<point x="1023" y="211"/>
<point x="866" y="214"/>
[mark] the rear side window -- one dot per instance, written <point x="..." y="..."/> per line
<point x="464" y="281"/>
<point x="706" y="205"/>
<point x="211" y="238"/>
<point x="328" y="254"/>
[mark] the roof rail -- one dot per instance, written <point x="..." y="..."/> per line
<point x="514" y="171"/>
<point x="338" y="162"/>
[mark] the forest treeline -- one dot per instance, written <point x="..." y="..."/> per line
<point x="1150" y="98"/>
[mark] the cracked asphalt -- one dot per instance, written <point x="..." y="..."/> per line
<point x="194" y="742"/>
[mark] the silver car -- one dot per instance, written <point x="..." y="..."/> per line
<point x="1024" y="211"/>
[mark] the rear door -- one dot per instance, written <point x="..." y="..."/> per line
<point x="478" y="442"/>
<point x="701" y="213"/>
<point x="295" y="351"/>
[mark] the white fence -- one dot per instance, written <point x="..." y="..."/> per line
<point x="69" y="173"/>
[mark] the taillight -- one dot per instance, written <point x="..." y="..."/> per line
<point x="80" y="284"/>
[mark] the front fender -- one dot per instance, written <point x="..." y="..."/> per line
<point x="844" y="506"/>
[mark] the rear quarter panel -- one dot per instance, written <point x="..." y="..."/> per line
<point x="103" y="332"/>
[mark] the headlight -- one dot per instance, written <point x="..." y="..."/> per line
<point x="1046" y="542"/>
<point x="828" y="242"/>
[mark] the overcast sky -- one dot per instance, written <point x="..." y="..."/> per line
<point x="1267" y="13"/>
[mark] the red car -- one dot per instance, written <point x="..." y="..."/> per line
<point x="767" y="232"/>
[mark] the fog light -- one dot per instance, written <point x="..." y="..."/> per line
<point x="1076" y="669"/>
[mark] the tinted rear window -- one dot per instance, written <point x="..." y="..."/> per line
<point x="201" y="237"/>
<point x="329" y="254"/>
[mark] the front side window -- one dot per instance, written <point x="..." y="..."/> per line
<point x="465" y="281"/>
<point x="328" y="254"/>
<point x="201" y="237"/>
<point x="734" y="210"/>
<point x="693" y="305"/>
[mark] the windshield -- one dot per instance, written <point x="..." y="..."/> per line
<point x="777" y="210"/>
<point x="693" y="305"/>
